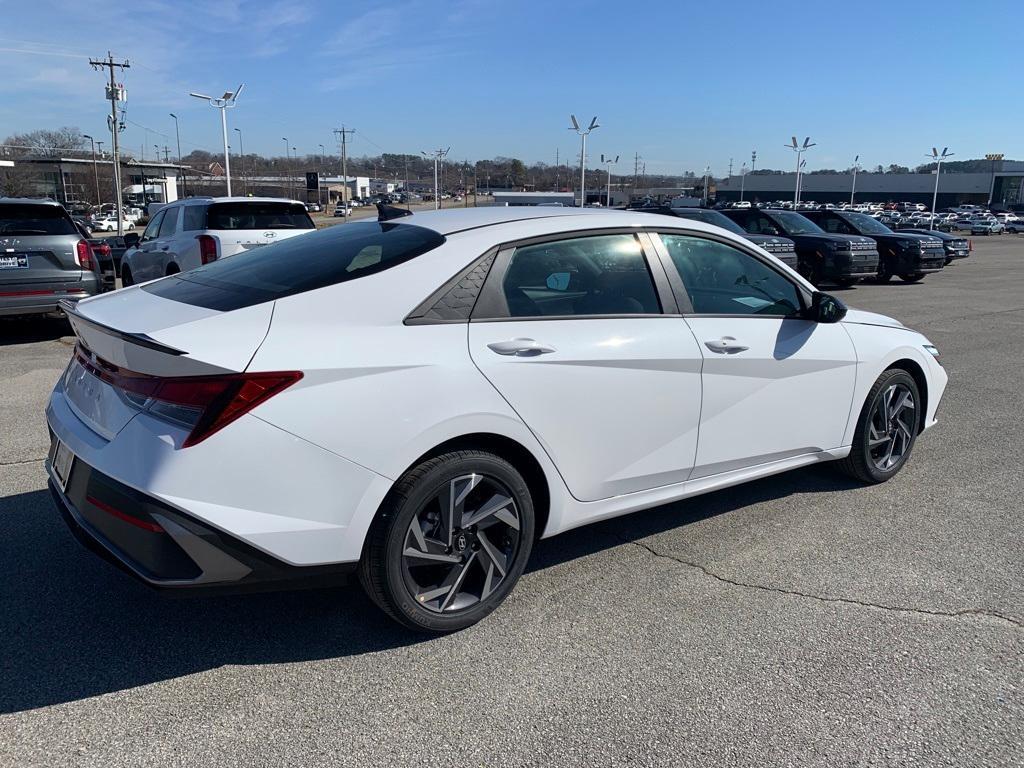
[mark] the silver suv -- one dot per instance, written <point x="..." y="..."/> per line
<point x="188" y="233"/>
<point x="43" y="258"/>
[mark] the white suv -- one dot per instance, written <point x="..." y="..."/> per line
<point x="189" y="233"/>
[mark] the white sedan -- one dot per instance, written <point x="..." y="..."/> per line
<point x="417" y="398"/>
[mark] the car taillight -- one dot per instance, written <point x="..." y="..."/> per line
<point x="83" y="255"/>
<point x="204" y="404"/>
<point x="207" y="249"/>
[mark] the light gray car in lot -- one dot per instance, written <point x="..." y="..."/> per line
<point x="43" y="258"/>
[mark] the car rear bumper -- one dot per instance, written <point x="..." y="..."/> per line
<point x="35" y="301"/>
<point x="166" y="548"/>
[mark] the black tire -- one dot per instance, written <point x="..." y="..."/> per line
<point x="847" y="282"/>
<point x="384" y="570"/>
<point x="126" y="277"/>
<point x="172" y="269"/>
<point x="883" y="276"/>
<point x="861" y="464"/>
<point x="912" y="277"/>
<point x="810" y="271"/>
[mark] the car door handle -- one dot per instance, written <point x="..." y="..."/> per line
<point x="726" y="345"/>
<point x="520" y="348"/>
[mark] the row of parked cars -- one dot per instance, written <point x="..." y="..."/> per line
<point x="836" y="246"/>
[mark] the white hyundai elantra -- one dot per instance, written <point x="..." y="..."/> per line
<point x="418" y="398"/>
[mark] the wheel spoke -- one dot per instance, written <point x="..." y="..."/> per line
<point x="451" y="500"/>
<point x="497" y="559"/>
<point x="459" y="574"/>
<point x="488" y="582"/>
<point x="495" y="504"/>
<point x="875" y="439"/>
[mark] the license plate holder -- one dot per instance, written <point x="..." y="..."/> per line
<point x="13" y="261"/>
<point x="61" y="462"/>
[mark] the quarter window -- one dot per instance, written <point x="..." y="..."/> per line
<point x="195" y="218"/>
<point x="600" y="275"/>
<point x="722" y="280"/>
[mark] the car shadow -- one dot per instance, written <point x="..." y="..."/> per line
<point x="30" y="330"/>
<point x="73" y="627"/>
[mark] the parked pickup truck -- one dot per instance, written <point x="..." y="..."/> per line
<point x="907" y="254"/>
<point x="821" y="257"/>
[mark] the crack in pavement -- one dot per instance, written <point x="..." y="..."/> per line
<point x="21" y="461"/>
<point x="820" y="598"/>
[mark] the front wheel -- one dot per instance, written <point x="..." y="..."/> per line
<point x="847" y="282"/>
<point x="886" y="430"/>
<point x="450" y="541"/>
<point x="126" y="277"/>
<point x="912" y="277"/>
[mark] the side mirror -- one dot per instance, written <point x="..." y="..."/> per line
<point x="826" y="308"/>
<point x="131" y="239"/>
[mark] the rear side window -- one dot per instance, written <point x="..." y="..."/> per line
<point x="258" y="215"/>
<point x="298" y="264"/>
<point x="35" y="220"/>
<point x="195" y="218"/>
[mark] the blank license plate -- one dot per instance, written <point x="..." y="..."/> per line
<point x="61" y="459"/>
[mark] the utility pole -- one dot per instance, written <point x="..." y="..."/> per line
<point x="438" y="156"/>
<point x="344" y="132"/>
<point x="115" y="94"/>
<point x="181" y="176"/>
<point x="730" y="168"/>
<point x="557" y="169"/>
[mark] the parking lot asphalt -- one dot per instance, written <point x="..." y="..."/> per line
<point x="798" y="620"/>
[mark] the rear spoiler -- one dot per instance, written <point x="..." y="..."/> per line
<point x="70" y="308"/>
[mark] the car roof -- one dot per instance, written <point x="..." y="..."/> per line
<point x="29" y="201"/>
<point x="450" y="222"/>
<point x="233" y="199"/>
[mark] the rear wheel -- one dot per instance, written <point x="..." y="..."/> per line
<point x="847" y="282"/>
<point x="450" y="541"/>
<point x="172" y="269"/>
<point x="886" y="430"/>
<point x="912" y="277"/>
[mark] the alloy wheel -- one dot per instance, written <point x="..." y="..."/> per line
<point x="461" y="544"/>
<point x="892" y="425"/>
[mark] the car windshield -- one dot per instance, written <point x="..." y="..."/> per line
<point x="795" y="224"/>
<point x="298" y="264"/>
<point x="711" y="217"/>
<point x="21" y="219"/>
<point x="867" y="225"/>
<point x="258" y="215"/>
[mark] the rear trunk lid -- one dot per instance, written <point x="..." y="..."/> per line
<point x="37" y="246"/>
<point x="132" y="332"/>
<point x="243" y="225"/>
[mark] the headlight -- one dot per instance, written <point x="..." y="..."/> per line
<point x="933" y="351"/>
<point x="911" y="245"/>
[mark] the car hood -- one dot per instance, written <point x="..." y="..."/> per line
<point x="860" y="317"/>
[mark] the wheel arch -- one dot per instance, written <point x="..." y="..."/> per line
<point x="916" y="372"/>
<point x="512" y="451"/>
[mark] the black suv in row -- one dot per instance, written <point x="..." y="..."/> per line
<point x="907" y="254"/>
<point x="781" y="248"/>
<point x="821" y="256"/>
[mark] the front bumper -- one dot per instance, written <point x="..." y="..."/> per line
<point x="166" y="548"/>
<point x="845" y="264"/>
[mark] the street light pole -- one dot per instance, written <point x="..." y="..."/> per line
<point x="95" y="169"/>
<point x="583" y="154"/>
<point x="288" y="166"/>
<point x="937" y="158"/>
<point x="438" y="155"/>
<point x="743" y="180"/>
<point x="224" y="103"/>
<point x="609" y="162"/>
<point x="241" y="161"/>
<point x="177" y="136"/>
<point x="853" y="187"/>
<point x="799" y="149"/>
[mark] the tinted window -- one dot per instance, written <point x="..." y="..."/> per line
<point x="833" y="224"/>
<point x="35" y="220"/>
<point x="153" y="226"/>
<point x="195" y="218"/>
<point x="868" y="225"/>
<point x="298" y="264"/>
<point x="754" y="223"/>
<point x="795" y="224"/>
<point x="604" y="275"/>
<point x="258" y="215"/>
<point x="721" y="280"/>
<point x="169" y="223"/>
<point x="710" y="217"/>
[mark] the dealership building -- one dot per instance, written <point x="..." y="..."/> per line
<point x="1004" y="185"/>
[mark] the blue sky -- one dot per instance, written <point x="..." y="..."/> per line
<point x="682" y="83"/>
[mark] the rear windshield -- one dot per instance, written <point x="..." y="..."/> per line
<point x="35" y="220"/>
<point x="298" y="264"/>
<point x="258" y="215"/>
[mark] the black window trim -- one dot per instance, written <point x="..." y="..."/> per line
<point x="491" y="306"/>
<point x="679" y="288"/>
